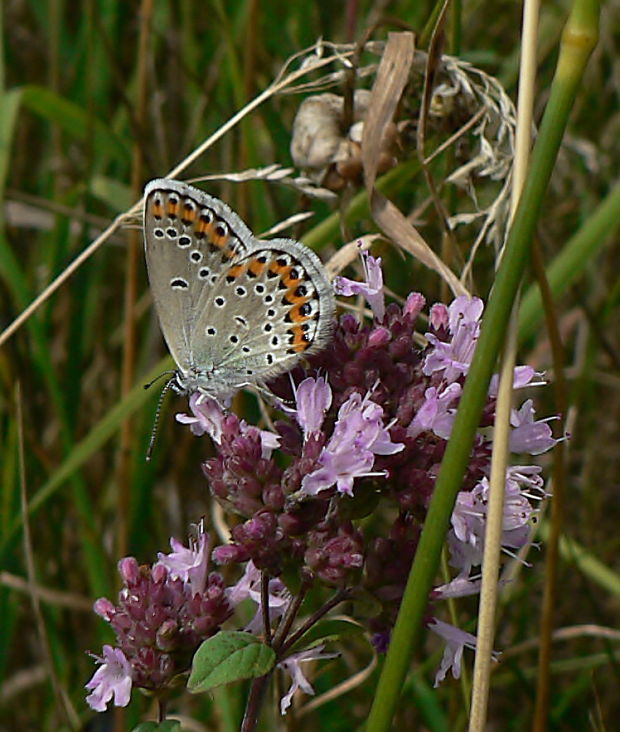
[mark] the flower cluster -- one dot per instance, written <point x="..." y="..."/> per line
<point x="163" y="614"/>
<point x="336" y="494"/>
<point x="368" y="427"/>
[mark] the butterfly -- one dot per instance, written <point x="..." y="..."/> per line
<point x="234" y="310"/>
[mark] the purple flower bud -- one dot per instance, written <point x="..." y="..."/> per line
<point x="104" y="608"/>
<point x="439" y="316"/>
<point x="414" y="304"/>
<point x="379" y="337"/>
<point x="129" y="570"/>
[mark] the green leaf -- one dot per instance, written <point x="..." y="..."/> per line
<point x="9" y="107"/>
<point x="170" y="725"/>
<point x="73" y="119"/>
<point x="229" y="656"/>
<point x="112" y="192"/>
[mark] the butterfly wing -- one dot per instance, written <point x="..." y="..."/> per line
<point x="233" y="310"/>
<point x="273" y="306"/>
<point x="190" y="238"/>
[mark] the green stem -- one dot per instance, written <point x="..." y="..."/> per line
<point x="578" y="40"/>
<point x="572" y="262"/>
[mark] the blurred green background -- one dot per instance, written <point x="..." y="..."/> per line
<point x="97" y="98"/>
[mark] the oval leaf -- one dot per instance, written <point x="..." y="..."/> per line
<point x="229" y="656"/>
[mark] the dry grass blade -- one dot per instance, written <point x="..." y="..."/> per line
<point x="387" y="90"/>
<point x="280" y="84"/>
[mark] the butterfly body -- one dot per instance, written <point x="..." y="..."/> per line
<point x="234" y="310"/>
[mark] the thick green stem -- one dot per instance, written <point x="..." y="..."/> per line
<point x="578" y="40"/>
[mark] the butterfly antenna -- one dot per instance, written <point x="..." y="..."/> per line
<point x="157" y="378"/>
<point x="160" y="402"/>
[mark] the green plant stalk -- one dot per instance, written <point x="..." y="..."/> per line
<point x="574" y="553"/>
<point x="94" y="440"/>
<point x="572" y="262"/>
<point x="15" y="278"/>
<point x="578" y="40"/>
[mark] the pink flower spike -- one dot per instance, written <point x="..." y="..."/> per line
<point x="111" y="679"/>
<point x="372" y="289"/>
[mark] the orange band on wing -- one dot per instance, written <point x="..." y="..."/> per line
<point x="256" y="267"/>
<point x="237" y="270"/>
<point x="300" y="339"/>
<point x="189" y="214"/>
<point x="172" y="208"/>
<point x="157" y="209"/>
<point x="282" y="270"/>
<point x="295" y="313"/>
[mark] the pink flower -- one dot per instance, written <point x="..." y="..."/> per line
<point x="208" y="418"/>
<point x="313" y="398"/>
<point x="188" y="564"/>
<point x="359" y="435"/>
<point x="249" y="586"/>
<point x="456" y="642"/>
<point x="371" y="289"/>
<point x="292" y="666"/>
<point x="530" y="436"/>
<point x="454" y="356"/>
<point x="437" y="412"/>
<point x="111" y="679"/>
